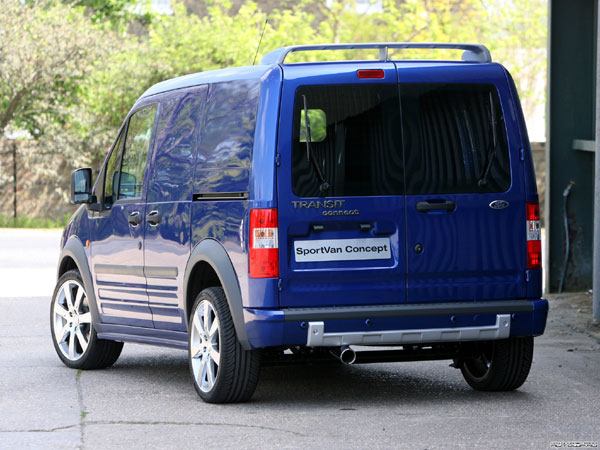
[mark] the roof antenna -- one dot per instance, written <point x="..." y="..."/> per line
<point x="260" y="40"/>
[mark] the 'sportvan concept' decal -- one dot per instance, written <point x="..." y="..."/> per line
<point x="499" y="204"/>
<point x="342" y="249"/>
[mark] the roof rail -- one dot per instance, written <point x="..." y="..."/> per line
<point x="472" y="52"/>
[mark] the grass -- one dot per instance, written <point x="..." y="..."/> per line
<point x="33" y="222"/>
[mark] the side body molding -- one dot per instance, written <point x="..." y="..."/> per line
<point x="74" y="249"/>
<point x="213" y="253"/>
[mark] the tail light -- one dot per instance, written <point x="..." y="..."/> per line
<point x="264" y="244"/>
<point x="534" y="237"/>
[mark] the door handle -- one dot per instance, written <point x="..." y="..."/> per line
<point x="134" y="219"/>
<point x="426" y="206"/>
<point x="153" y="218"/>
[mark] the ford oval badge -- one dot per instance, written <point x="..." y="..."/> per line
<point x="499" y="204"/>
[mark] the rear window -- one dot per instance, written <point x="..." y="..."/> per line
<point x="455" y="139"/>
<point x="453" y="135"/>
<point x="355" y="140"/>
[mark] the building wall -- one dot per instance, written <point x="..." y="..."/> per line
<point x="571" y="106"/>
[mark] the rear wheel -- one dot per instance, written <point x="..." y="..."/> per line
<point x="499" y="365"/>
<point x="73" y="334"/>
<point x="222" y="371"/>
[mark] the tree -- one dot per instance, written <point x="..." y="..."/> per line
<point x="228" y="34"/>
<point x="516" y="35"/>
<point x="184" y="43"/>
<point x="117" y="13"/>
<point x="45" y="51"/>
<point x="70" y="70"/>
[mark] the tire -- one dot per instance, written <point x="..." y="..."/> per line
<point x="72" y="329"/>
<point x="222" y="371"/>
<point x="501" y="365"/>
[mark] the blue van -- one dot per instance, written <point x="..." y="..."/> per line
<point x="358" y="211"/>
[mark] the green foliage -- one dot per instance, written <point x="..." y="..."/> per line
<point x="79" y="65"/>
<point x="33" y="222"/>
<point x="184" y="43"/>
<point x="516" y="36"/>
<point x="68" y="71"/>
<point x="117" y="13"/>
<point x="41" y="71"/>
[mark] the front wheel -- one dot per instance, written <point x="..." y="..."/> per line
<point x="499" y="365"/>
<point x="73" y="334"/>
<point x="222" y="371"/>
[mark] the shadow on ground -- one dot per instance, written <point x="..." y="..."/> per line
<point x="324" y="385"/>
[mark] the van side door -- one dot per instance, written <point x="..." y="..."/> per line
<point x="168" y="209"/>
<point x="116" y="249"/>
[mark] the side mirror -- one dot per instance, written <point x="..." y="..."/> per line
<point x="81" y="186"/>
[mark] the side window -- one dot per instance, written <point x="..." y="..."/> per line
<point x="228" y="134"/>
<point x="176" y="135"/>
<point x="135" y="153"/>
<point x="112" y="172"/>
<point x="455" y="139"/>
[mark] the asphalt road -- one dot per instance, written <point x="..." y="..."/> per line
<point x="146" y="400"/>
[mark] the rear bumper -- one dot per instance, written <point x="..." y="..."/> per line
<point x="318" y="337"/>
<point x="396" y="324"/>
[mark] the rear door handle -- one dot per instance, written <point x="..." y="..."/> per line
<point x="426" y="206"/>
<point x="134" y="219"/>
<point x="153" y="218"/>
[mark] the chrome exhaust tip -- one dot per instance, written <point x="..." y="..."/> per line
<point x="345" y="354"/>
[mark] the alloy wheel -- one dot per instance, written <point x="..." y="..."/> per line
<point x="204" y="346"/>
<point x="72" y="320"/>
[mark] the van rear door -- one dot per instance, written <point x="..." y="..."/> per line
<point x="465" y="203"/>
<point x="341" y="198"/>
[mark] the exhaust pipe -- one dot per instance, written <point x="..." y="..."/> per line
<point x="345" y="354"/>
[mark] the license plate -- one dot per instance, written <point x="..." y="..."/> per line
<point x="342" y="249"/>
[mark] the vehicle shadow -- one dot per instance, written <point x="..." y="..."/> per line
<point x="329" y="385"/>
<point x="364" y="385"/>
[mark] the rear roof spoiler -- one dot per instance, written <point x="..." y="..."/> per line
<point x="472" y="52"/>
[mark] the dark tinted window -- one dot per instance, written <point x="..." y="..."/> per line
<point x="135" y="153"/>
<point x="360" y="152"/>
<point x="228" y="132"/>
<point x="449" y="139"/>
<point x="176" y="137"/>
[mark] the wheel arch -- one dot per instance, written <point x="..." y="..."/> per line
<point x="73" y="257"/>
<point x="209" y="265"/>
<point x="67" y="263"/>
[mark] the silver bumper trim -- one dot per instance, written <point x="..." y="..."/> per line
<point x="317" y="337"/>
